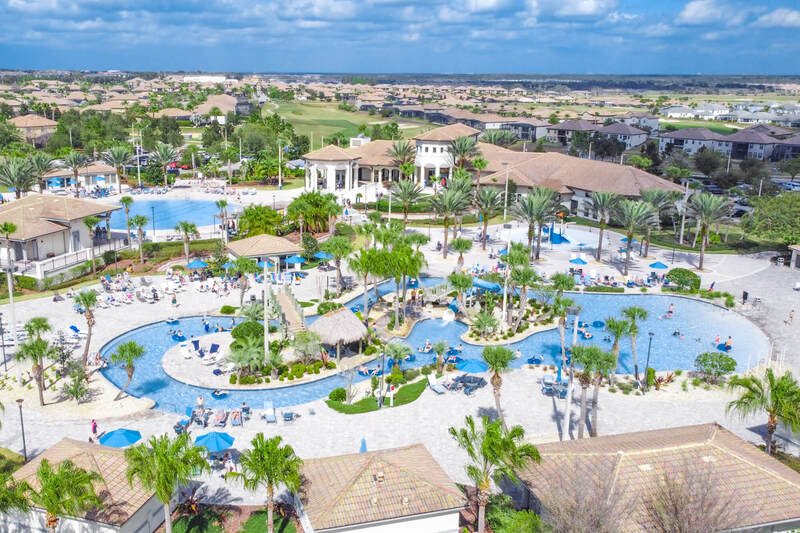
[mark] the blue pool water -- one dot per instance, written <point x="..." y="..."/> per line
<point x="698" y="322"/>
<point x="169" y="212"/>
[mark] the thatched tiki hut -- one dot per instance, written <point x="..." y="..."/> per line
<point x="337" y="327"/>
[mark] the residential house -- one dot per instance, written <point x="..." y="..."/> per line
<point x="526" y="129"/>
<point x="751" y="144"/>
<point x="35" y="129"/>
<point x="96" y="173"/>
<point x="644" y="121"/>
<point x="562" y="133"/>
<point x="630" y="136"/>
<point x="691" y="140"/>
<point x="677" y="111"/>
<point x="787" y="148"/>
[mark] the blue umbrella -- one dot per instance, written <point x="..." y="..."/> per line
<point x="625" y="239"/>
<point x="228" y="265"/>
<point x="659" y="265"/>
<point x="98" y="178"/>
<point x="55" y="181"/>
<point x="269" y="264"/>
<point x="363" y="448"/>
<point x="323" y="255"/>
<point x="472" y="366"/>
<point x="120" y="438"/>
<point x="504" y="251"/>
<point x="295" y="259"/>
<point x="413" y="284"/>
<point x="197" y="264"/>
<point x="578" y="261"/>
<point x="214" y="441"/>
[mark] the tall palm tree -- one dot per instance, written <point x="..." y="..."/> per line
<point x="494" y="455"/>
<point x="75" y="161"/>
<point x="447" y="205"/>
<point x="461" y="246"/>
<point x="707" y="209"/>
<point x="660" y="200"/>
<point x="117" y="157"/>
<point x="779" y="397"/>
<point x="604" y="205"/>
<point x="562" y="282"/>
<point x="164" y="155"/>
<point x="498" y="358"/>
<point x="128" y="353"/>
<point x="88" y="300"/>
<point x="162" y="465"/>
<point x="632" y="215"/>
<point x="90" y="222"/>
<point x="488" y="202"/>
<point x="41" y="163"/>
<point x="16" y="173"/>
<point x="461" y="283"/>
<point x="188" y="230"/>
<point x="618" y="329"/>
<point x="7" y="229"/>
<point x="361" y="264"/>
<point x="268" y="464"/>
<point x="36" y="351"/>
<point x="633" y="314"/>
<point x="317" y="210"/>
<point x="462" y="151"/>
<point x="523" y="277"/>
<point x="535" y="209"/>
<point x="406" y="193"/>
<point x="139" y="222"/>
<point x="479" y="164"/>
<point x="64" y="491"/>
<point x="591" y="359"/>
<point x="339" y="247"/>
<point x="603" y="365"/>
<point x="126" y="202"/>
<point x="222" y="205"/>
<point x="401" y="152"/>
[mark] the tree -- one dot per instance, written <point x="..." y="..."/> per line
<point x="479" y="164"/>
<point x="252" y="312"/>
<point x="13" y="494"/>
<point x="439" y="348"/>
<point x="244" y="266"/>
<point x="498" y="358"/>
<point x="259" y="219"/>
<point x="752" y="168"/>
<point x="779" y="397"/>
<point x="633" y="314"/>
<point x="494" y="454"/>
<point x="87" y="299"/>
<point x="222" y="205"/>
<point x="593" y="360"/>
<point x="64" y="491"/>
<point x="117" y="157"/>
<point x="632" y="215"/>
<point x="462" y="151"/>
<point x="75" y="161"/>
<point x="726" y="180"/>
<point x="247" y="352"/>
<point x="41" y="163"/>
<point x="361" y="265"/>
<point x="604" y="205"/>
<point x="406" y="193"/>
<point x="268" y="464"/>
<point x="36" y="351"/>
<point x="461" y="246"/>
<point x="447" y="205"/>
<point x="790" y="166"/>
<point x="535" y="209"/>
<point x="339" y="247"/>
<point x="659" y="200"/>
<point x="139" y="222"/>
<point x="618" y="329"/>
<point x="707" y="161"/>
<point x="488" y="202"/>
<point x="523" y="277"/>
<point x="461" y="283"/>
<point x="677" y="174"/>
<point x="316" y="210"/>
<point x="706" y="209"/>
<point x="188" y="230"/>
<point x="307" y="345"/>
<point x="484" y="323"/>
<point x="162" y="465"/>
<point x="714" y="364"/>
<point x="499" y="137"/>
<point x="778" y="218"/>
<point x="126" y="202"/>
<point x="401" y="152"/>
<point x="90" y="223"/>
<point x="164" y="155"/>
<point x="16" y="173"/>
<point x="640" y="162"/>
<point x="127" y="353"/>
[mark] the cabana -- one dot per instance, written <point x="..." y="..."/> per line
<point x="337" y="327"/>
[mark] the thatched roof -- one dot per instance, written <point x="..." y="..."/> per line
<point x="340" y="325"/>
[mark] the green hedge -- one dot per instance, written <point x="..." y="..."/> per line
<point x="603" y="288"/>
<point x="250" y="329"/>
<point x="326" y="307"/>
<point x="383" y="206"/>
<point x="227" y="310"/>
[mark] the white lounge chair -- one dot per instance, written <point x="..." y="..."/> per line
<point x="435" y="387"/>
<point x="269" y="413"/>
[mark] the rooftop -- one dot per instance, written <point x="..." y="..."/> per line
<point x="447" y="133"/>
<point x="263" y="245"/>
<point x="39" y="214"/>
<point x="32" y="121"/>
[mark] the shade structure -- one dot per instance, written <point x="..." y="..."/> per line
<point x="323" y="255"/>
<point x="228" y="265"/>
<point x="270" y="264"/>
<point x="120" y="438"/>
<point x="625" y="239"/>
<point x="472" y="366"/>
<point x="487" y="285"/>
<point x="55" y="181"/>
<point x="295" y="259"/>
<point x="214" y="441"/>
<point x="578" y="261"/>
<point x="658" y="265"/>
<point x="98" y="178"/>
<point x="504" y="251"/>
<point x="197" y="264"/>
<point x="339" y="325"/>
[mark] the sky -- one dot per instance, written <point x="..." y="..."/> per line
<point x="418" y="36"/>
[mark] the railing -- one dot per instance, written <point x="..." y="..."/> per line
<point x="40" y="269"/>
<point x="437" y="291"/>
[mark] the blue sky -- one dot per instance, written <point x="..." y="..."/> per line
<point x="439" y="36"/>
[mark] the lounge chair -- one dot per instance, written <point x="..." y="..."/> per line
<point x="269" y="413"/>
<point x="288" y="416"/>
<point x="434" y="386"/>
<point x="213" y="350"/>
<point x="221" y="418"/>
<point x="236" y="418"/>
<point x="77" y="332"/>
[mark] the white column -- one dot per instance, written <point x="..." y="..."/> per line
<point x="330" y="176"/>
<point x="437" y="174"/>
<point x="348" y="177"/>
<point x="372" y="174"/>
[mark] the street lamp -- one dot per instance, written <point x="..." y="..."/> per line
<point x="383" y="366"/>
<point x="647" y="364"/>
<point x="572" y="310"/>
<point x="22" y="425"/>
<point x="153" y="211"/>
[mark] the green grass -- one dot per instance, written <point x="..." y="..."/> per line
<point x="207" y="521"/>
<point x="715" y="126"/>
<point x="409" y="393"/>
<point x="405" y="394"/>
<point x="9" y="461"/>
<point x="287" y="185"/>
<point x="257" y="523"/>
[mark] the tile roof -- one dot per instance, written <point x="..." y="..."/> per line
<point x="261" y="245"/>
<point x="620" y="128"/>
<point x="696" y="134"/>
<point x="447" y="133"/>
<point x="330" y="153"/>
<point x="93" y="168"/>
<point x="765" y="490"/>
<point x="751" y="136"/>
<point x="368" y="487"/>
<point x="39" y="214"/>
<point x="373" y="153"/>
<point x="32" y="121"/>
<point x="575" y="125"/>
<point x="120" y="499"/>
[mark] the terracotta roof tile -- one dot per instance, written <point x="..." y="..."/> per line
<point x="262" y="245"/>
<point x="447" y="133"/>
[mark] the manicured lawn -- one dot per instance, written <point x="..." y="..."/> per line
<point x="409" y="393"/>
<point x="287" y="185"/>
<point x="208" y="521"/>
<point x="257" y="523"/>
<point x="713" y="125"/>
<point x="9" y="461"/>
<point x="405" y="394"/>
<point x="324" y="118"/>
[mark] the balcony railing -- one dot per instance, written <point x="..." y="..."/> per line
<point x="42" y="268"/>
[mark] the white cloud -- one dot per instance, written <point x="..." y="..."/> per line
<point x="780" y="18"/>
<point x="321" y="9"/>
<point x="581" y="8"/>
<point x="657" y="30"/>
<point x="616" y="16"/>
<point x="699" y="12"/>
<point x="711" y="36"/>
<point x="530" y="14"/>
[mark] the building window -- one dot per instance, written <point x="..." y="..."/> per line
<point x="426" y="149"/>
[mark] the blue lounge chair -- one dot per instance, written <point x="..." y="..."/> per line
<point x="435" y="387"/>
<point x="269" y="413"/>
<point x="535" y="360"/>
<point x="288" y="416"/>
<point x="213" y="349"/>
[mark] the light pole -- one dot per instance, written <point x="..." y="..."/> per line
<point x="505" y="281"/>
<point x="22" y="425"/>
<point x="383" y="365"/>
<point x="505" y="199"/>
<point x="153" y="212"/>
<point x="647" y="364"/>
<point x="3" y="341"/>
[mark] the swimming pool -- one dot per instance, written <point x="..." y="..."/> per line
<point x="168" y="212"/>
<point x="699" y="323"/>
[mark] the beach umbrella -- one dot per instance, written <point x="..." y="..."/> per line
<point x="659" y="265"/>
<point x="228" y="265"/>
<point x="55" y="181"/>
<point x="197" y="264"/>
<point x="363" y="448"/>
<point x="269" y="264"/>
<point x="625" y="239"/>
<point x="413" y="284"/>
<point x="120" y="438"/>
<point x="578" y="261"/>
<point x="323" y="255"/>
<point x="472" y="366"/>
<point x="295" y="259"/>
<point x="504" y="251"/>
<point x="214" y="441"/>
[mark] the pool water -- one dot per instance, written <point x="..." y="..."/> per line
<point x="699" y="323"/>
<point x="168" y="212"/>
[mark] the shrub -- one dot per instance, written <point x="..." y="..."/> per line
<point x="684" y="279"/>
<point x="345" y="230"/>
<point x="678" y="372"/>
<point x="696" y="382"/>
<point x="714" y="364"/>
<point x="26" y="282"/>
<point x="603" y="288"/>
<point x="338" y="395"/>
<point x="327" y="307"/>
<point x="232" y="381"/>
<point x="227" y="310"/>
<point x="298" y="370"/>
<point x="250" y="329"/>
<point x="651" y="376"/>
<point x="108" y="257"/>
<point x="426" y="370"/>
<point x="330" y="365"/>
<point x="370" y="350"/>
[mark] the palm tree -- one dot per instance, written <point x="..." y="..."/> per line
<point x="244" y="266"/>
<point x="362" y="264"/>
<point x="366" y="230"/>
<point x="632" y="215"/>
<point x="439" y="348"/>
<point x="87" y="300"/>
<point x="64" y="491"/>
<point x="252" y="312"/>
<point x="13" y="494"/>
<point x="41" y="163"/>
<point x="162" y="465"/>
<point x="75" y="161"/>
<point x="461" y="283"/>
<point x="36" y="326"/>
<point x="593" y="360"/>
<point x="406" y="193"/>
<point x="618" y="328"/>
<point x="707" y="209"/>
<point x="524" y="278"/>
<point x="536" y="208"/>
<point x="90" y="223"/>
<point x="339" y="247"/>
<point x="268" y="464"/>
<point x="604" y="205"/>
<point x="126" y="202"/>
<point x="562" y="282"/>
<point x="402" y="152"/>
<point x="461" y="246"/>
<point x="498" y="137"/>
<point x="8" y="229"/>
<point x="488" y="202"/>
<point x="188" y="230"/>
<point x="479" y="164"/>
<point x="659" y="200"/>
<point x="494" y="454"/>
<point x="117" y="157"/>
<point x="36" y="351"/>
<point x="462" y="151"/>
<point x="778" y="397"/>
<point x="397" y="352"/>
<point x="633" y="314"/>
<point x="163" y="156"/>
<point x="16" y="173"/>
<point x="139" y="222"/>
<point x="498" y="358"/>
<point x="447" y="205"/>
<point x="248" y="352"/>
<point x="222" y="205"/>
<point x="128" y="353"/>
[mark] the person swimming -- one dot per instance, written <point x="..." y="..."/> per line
<point x="671" y="309"/>
<point x="459" y="348"/>
<point x="676" y="333"/>
<point x="729" y="343"/>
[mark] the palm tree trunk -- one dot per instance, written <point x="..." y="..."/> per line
<point x="485" y="229"/>
<point x="186" y="247"/>
<point x="37" y="373"/>
<point x="444" y="246"/>
<point x="396" y="304"/>
<point x="538" y="240"/>
<point x="128" y="225"/>
<point x="523" y="304"/>
<point x="483" y="499"/>
<point x="595" y="397"/>
<point x="635" y="360"/>
<point x="771" y="427"/>
<point x="141" y="245"/>
<point x="702" y="249"/>
<point x="600" y="242"/>
<point x="628" y="252"/>
<point x="582" y="421"/>
<point x="122" y="391"/>
<point x="366" y="310"/>
<point x="404" y="294"/>
<point x="499" y="410"/>
<point x="561" y="322"/>
<point x="88" y="338"/>
<point x="167" y="519"/>
<point x="165" y="176"/>
<point x="270" y="509"/>
<point x="530" y="237"/>
<point x="647" y="242"/>
<point x="613" y="373"/>
<point x="405" y="219"/>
